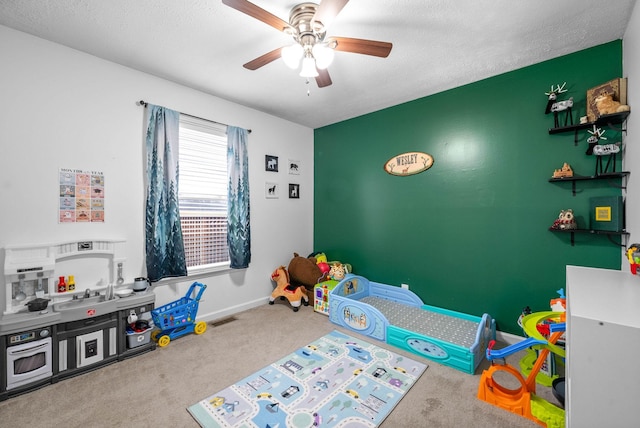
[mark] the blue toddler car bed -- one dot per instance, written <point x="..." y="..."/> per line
<point x="399" y="317"/>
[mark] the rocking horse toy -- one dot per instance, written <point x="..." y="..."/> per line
<point x="294" y="294"/>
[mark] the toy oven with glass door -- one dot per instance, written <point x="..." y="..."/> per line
<point x="28" y="359"/>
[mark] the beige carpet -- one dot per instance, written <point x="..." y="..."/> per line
<point x="154" y="389"/>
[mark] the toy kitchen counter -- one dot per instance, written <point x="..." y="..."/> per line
<point x="74" y="310"/>
<point x="48" y="334"/>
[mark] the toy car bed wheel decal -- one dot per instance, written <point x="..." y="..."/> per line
<point x="425" y="347"/>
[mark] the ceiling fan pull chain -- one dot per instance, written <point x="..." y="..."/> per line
<point x="308" y="88"/>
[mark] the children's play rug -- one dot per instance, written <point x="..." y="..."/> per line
<point x="337" y="380"/>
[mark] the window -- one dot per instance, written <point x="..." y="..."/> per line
<point x="202" y="193"/>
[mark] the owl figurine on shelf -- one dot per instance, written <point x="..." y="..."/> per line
<point x="566" y="221"/>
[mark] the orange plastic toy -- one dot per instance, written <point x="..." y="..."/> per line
<point x="523" y="401"/>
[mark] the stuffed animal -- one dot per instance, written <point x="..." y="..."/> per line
<point x="321" y="261"/>
<point x="320" y="257"/>
<point x="337" y="271"/>
<point x="305" y="271"/>
<point x="607" y="105"/>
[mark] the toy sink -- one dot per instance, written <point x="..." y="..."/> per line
<point x="72" y="310"/>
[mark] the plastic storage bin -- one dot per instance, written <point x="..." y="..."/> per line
<point x="135" y="339"/>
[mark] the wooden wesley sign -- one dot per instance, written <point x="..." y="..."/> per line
<point x="409" y="163"/>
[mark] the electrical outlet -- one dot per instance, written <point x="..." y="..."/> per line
<point x="405" y="286"/>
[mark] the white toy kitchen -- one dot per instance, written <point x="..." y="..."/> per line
<point x="66" y="310"/>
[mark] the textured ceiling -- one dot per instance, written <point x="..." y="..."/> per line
<point x="437" y="45"/>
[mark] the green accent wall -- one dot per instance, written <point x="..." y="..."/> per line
<point x="471" y="233"/>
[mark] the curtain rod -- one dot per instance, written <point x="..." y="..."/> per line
<point x="144" y="104"/>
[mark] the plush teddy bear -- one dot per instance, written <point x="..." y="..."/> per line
<point x="607" y="105"/>
<point x="306" y="272"/>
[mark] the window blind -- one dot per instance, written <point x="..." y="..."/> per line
<point x="203" y="167"/>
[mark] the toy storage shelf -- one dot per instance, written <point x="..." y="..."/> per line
<point x="607" y="119"/>
<point x="605" y="176"/>
<point x="607" y="233"/>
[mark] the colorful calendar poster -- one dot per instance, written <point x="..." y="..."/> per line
<point x="81" y="196"/>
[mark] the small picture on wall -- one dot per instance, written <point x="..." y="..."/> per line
<point x="271" y="163"/>
<point x="294" y="167"/>
<point x="271" y="190"/>
<point x="294" y="191"/>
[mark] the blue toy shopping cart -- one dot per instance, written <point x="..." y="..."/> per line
<point x="177" y="318"/>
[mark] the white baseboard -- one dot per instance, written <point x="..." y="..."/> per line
<point x="508" y="338"/>
<point x="226" y="312"/>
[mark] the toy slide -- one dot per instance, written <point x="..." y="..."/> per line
<point x="493" y="354"/>
<point x="530" y="323"/>
<point x="400" y="318"/>
<point x="523" y="401"/>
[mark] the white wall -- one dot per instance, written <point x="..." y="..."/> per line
<point x="63" y="108"/>
<point x="631" y="67"/>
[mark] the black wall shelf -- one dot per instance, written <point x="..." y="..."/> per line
<point x="609" y="120"/>
<point x="608" y="233"/>
<point x="605" y="176"/>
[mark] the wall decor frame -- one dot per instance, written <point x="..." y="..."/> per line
<point x="271" y="190"/>
<point x="294" y="191"/>
<point x="295" y="167"/>
<point x="409" y="163"/>
<point x="271" y="163"/>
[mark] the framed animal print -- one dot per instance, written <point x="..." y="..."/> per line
<point x="294" y="191"/>
<point x="294" y="167"/>
<point x="271" y="190"/>
<point x="271" y="163"/>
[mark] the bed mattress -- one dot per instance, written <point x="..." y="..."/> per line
<point x="439" y="326"/>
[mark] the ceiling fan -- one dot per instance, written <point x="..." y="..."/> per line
<point x="307" y="26"/>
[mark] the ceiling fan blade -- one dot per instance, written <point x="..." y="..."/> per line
<point x="323" y="79"/>
<point x="328" y="10"/>
<point x="258" y="13"/>
<point x="362" y="46"/>
<point x="263" y="60"/>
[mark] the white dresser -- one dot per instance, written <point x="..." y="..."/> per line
<point x="603" y="348"/>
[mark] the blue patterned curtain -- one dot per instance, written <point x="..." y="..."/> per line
<point x="164" y="246"/>
<point x="238" y="228"/>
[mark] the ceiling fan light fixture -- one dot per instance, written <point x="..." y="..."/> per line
<point x="323" y="55"/>
<point x="291" y="55"/>
<point x="308" y="67"/>
<point x="307" y="26"/>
